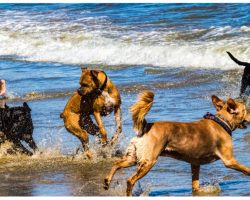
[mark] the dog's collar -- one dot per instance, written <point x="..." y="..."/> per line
<point x="226" y="121"/>
<point x="220" y="120"/>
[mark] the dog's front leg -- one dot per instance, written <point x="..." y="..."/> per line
<point x="20" y="148"/>
<point x="226" y="155"/>
<point x="234" y="164"/>
<point x="72" y="124"/>
<point x="195" y="170"/>
<point x="103" y="132"/>
<point x="118" y="121"/>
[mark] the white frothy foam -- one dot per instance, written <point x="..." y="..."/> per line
<point x="169" y="48"/>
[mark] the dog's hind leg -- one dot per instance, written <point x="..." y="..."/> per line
<point x="142" y="170"/>
<point x="244" y="83"/>
<point x="195" y="170"/>
<point x="234" y="164"/>
<point x="85" y="143"/>
<point x="126" y="161"/>
<point x="18" y="147"/>
<point x="30" y="141"/>
<point x="32" y="144"/>
<point x="72" y="124"/>
<point x="226" y="155"/>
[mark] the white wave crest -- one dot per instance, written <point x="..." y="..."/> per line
<point x="154" y="48"/>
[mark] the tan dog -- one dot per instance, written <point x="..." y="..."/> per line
<point x="197" y="143"/>
<point x="97" y="96"/>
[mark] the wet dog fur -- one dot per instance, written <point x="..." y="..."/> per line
<point x="197" y="143"/>
<point x="15" y="126"/>
<point x="97" y="96"/>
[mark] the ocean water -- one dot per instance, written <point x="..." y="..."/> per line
<point x="176" y="50"/>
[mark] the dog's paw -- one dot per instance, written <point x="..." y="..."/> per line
<point x="205" y="190"/>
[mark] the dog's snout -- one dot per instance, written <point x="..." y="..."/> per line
<point x="79" y="91"/>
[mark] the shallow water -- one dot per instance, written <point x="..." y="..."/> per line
<point x="175" y="50"/>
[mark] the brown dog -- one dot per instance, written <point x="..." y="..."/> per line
<point x="197" y="143"/>
<point x="97" y="96"/>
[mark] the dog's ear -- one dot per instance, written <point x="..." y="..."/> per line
<point x="232" y="106"/>
<point x="218" y="103"/>
<point x="26" y="106"/>
<point x="84" y="69"/>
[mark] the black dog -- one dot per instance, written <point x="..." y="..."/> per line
<point x="15" y="126"/>
<point x="245" y="81"/>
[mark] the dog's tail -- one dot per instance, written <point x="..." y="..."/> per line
<point x="237" y="61"/>
<point x="140" y="109"/>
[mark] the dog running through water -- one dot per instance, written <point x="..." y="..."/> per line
<point x="97" y="96"/>
<point x="15" y="126"/>
<point x="197" y="143"/>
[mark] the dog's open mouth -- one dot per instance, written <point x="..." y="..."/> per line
<point x="83" y="92"/>
<point x="90" y="93"/>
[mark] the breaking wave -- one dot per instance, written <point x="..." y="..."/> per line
<point x="95" y="40"/>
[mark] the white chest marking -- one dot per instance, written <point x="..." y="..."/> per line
<point x="109" y="101"/>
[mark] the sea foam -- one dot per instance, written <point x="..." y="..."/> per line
<point x="75" y="43"/>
